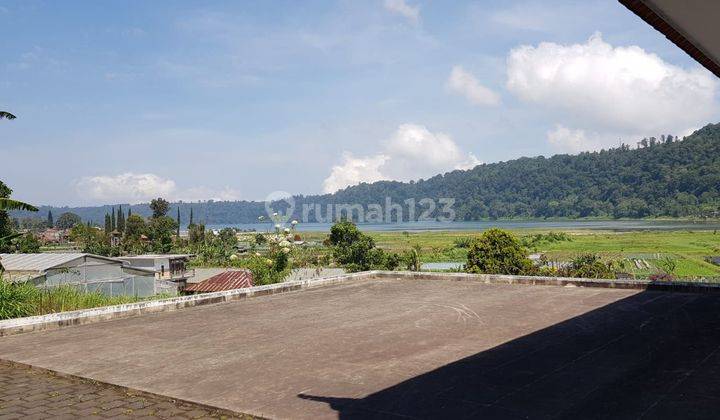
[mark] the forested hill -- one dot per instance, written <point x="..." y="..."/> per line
<point x="661" y="177"/>
<point x="658" y="177"/>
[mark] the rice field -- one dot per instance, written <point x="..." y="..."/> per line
<point x="688" y="249"/>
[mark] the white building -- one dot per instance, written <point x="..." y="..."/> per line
<point x="168" y="267"/>
<point x="89" y="272"/>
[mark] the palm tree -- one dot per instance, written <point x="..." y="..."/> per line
<point x="6" y="115"/>
<point x="10" y="204"/>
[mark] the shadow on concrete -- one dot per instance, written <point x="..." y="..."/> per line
<point x="652" y="355"/>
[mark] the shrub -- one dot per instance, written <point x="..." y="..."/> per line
<point x="355" y="250"/>
<point x="667" y="264"/>
<point x="412" y="259"/>
<point x="392" y="261"/>
<point x="497" y="252"/>
<point x="260" y="239"/>
<point x="463" y="242"/>
<point x="264" y="270"/>
<point x="588" y="266"/>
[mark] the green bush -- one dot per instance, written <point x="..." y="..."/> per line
<point x="355" y="250"/>
<point x="588" y="266"/>
<point x="392" y="261"/>
<point x="412" y="259"/>
<point x="497" y="252"/>
<point x="264" y="270"/>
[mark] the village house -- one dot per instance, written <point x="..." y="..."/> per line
<point x="167" y="267"/>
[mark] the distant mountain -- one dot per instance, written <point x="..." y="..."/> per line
<point x="656" y="177"/>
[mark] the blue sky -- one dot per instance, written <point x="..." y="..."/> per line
<point x="123" y="101"/>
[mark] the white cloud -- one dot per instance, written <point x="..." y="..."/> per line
<point x="413" y="152"/>
<point x="610" y="92"/>
<point x="400" y="7"/>
<point x="569" y="140"/>
<point x="354" y="171"/>
<point x="137" y="188"/>
<point x="465" y="84"/>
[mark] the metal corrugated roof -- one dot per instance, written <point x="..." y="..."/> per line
<point x="36" y="262"/>
<point x="43" y="262"/>
<point x="229" y="280"/>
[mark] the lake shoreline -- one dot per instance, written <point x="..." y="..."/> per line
<point x="612" y="225"/>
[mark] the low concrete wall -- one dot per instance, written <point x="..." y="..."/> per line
<point x="85" y="316"/>
<point x="674" y="286"/>
<point x="62" y="319"/>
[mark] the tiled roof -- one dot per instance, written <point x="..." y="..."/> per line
<point x="229" y="280"/>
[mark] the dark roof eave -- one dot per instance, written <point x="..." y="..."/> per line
<point x="660" y="23"/>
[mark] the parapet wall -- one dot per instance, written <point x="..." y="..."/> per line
<point x="85" y="316"/>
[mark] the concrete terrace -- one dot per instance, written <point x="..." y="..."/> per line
<point x="394" y="347"/>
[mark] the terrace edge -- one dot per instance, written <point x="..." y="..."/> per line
<point x="87" y="316"/>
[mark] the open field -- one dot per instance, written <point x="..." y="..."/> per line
<point x="687" y="248"/>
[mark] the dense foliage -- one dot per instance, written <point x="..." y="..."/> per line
<point x="588" y="266"/>
<point x="67" y="220"/>
<point x="497" y="251"/>
<point x="356" y="251"/>
<point x="661" y="177"/>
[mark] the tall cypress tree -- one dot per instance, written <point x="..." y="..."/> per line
<point x="129" y="212"/>
<point x="112" y="219"/>
<point x="50" y="221"/>
<point x="178" y="221"/>
<point x="191" y="217"/>
<point x="108" y="224"/>
<point x="120" y="220"/>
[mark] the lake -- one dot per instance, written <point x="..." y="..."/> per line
<point x="611" y="225"/>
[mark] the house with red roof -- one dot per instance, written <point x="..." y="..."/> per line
<point x="228" y="280"/>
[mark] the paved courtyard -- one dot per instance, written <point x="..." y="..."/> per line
<point x="35" y="394"/>
<point x="412" y="348"/>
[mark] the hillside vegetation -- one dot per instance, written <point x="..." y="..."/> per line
<point x="664" y="177"/>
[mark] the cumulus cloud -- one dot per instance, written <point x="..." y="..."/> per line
<point x="137" y="188"/>
<point x="569" y="140"/>
<point x="607" y="89"/>
<point x="400" y="7"/>
<point x="413" y="152"/>
<point x="354" y="170"/>
<point x="464" y="83"/>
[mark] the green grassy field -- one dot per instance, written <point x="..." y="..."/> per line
<point x="687" y="248"/>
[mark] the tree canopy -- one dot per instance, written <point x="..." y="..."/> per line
<point x="159" y="207"/>
<point x="68" y="220"/>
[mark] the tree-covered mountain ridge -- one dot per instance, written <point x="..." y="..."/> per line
<point x="664" y="177"/>
<point x="661" y="177"/>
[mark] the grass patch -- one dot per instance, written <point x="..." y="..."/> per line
<point x="24" y="299"/>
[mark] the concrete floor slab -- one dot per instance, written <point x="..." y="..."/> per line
<point x="418" y="348"/>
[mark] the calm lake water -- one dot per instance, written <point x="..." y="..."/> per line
<point x="611" y="225"/>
